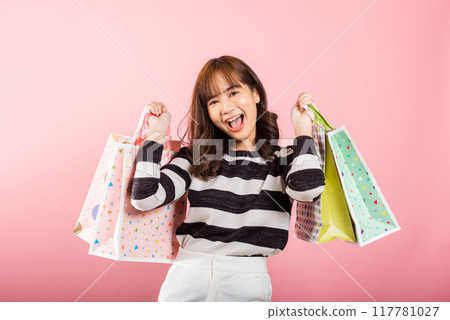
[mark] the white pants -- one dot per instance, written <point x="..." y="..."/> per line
<point x="196" y="276"/>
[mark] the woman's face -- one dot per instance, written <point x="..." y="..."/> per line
<point x="230" y="103"/>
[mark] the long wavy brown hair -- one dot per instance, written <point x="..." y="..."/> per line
<point x="232" y="69"/>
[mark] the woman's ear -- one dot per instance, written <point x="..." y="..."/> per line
<point x="256" y="96"/>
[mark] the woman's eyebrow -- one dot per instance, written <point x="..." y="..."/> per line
<point x="226" y="90"/>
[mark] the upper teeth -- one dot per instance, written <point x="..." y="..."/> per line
<point x="234" y="118"/>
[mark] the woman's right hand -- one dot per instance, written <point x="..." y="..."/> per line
<point x="160" y="122"/>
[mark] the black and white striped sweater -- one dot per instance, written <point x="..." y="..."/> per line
<point x="245" y="210"/>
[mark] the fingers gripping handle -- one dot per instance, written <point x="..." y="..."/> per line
<point x="143" y="124"/>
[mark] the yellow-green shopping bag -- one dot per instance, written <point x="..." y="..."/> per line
<point x="326" y="218"/>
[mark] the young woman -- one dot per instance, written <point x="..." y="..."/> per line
<point x="240" y="184"/>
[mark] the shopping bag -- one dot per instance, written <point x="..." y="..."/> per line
<point x="122" y="232"/>
<point x="355" y="191"/>
<point x="328" y="217"/>
<point x="86" y="221"/>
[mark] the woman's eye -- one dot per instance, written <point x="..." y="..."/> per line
<point x="231" y="94"/>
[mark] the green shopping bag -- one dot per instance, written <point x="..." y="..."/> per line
<point x="351" y="190"/>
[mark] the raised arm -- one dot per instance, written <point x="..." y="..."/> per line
<point x="154" y="186"/>
<point x="303" y="175"/>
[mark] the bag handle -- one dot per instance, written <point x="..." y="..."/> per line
<point x="319" y="118"/>
<point x="143" y="124"/>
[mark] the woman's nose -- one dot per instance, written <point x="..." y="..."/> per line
<point x="227" y="107"/>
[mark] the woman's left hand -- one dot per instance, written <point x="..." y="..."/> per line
<point x="300" y="117"/>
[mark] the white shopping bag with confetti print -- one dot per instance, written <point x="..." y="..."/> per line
<point x="120" y="231"/>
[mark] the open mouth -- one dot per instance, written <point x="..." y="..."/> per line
<point x="236" y="123"/>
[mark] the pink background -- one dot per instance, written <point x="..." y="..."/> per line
<point x="65" y="84"/>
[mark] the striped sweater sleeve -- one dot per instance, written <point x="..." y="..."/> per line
<point x="305" y="180"/>
<point x="154" y="186"/>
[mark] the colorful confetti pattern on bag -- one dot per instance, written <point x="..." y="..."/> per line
<point x="125" y="233"/>
<point x="151" y="234"/>
<point x="103" y="241"/>
<point x="369" y="209"/>
<point x="85" y="225"/>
